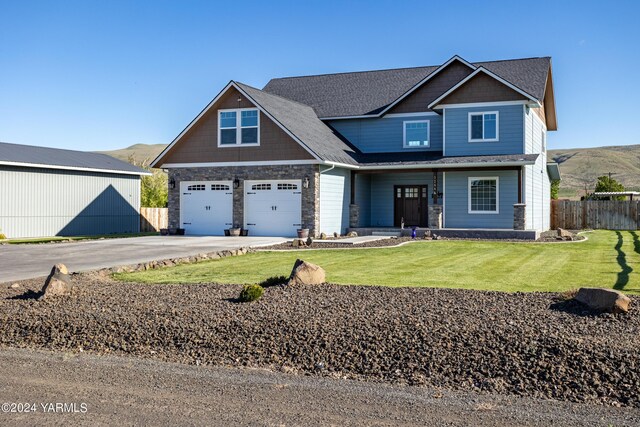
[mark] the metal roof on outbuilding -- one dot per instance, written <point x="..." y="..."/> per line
<point x="55" y="158"/>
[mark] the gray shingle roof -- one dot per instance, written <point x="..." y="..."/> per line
<point x="368" y="92"/>
<point x="437" y="160"/>
<point x="302" y="122"/>
<point x="63" y="159"/>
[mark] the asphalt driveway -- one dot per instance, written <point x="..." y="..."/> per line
<point x="19" y="262"/>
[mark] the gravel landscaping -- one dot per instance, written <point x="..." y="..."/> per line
<point x="526" y="344"/>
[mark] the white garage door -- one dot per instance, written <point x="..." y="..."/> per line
<point x="272" y="208"/>
<point x="206" y="207"/>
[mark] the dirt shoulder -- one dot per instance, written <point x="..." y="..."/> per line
<point x="523" y="344"/>
<point x="123" y="391"/>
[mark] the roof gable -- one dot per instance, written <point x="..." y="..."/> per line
<point x="420" y="96"/>
<point x="298" y="121"/>
<point x="484" y="81"/>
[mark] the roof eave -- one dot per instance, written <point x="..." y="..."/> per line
<point x="73" y="168"/>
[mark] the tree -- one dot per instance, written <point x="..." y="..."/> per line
<point x="153" y="188"/>
<point x="555" y="186"/>
<point x="607" y="184"/>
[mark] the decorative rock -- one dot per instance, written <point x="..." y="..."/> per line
<point x="335" y="234"/>
<point x="352" y="234"/>
<point x="427" y="233"/>
<point x="297" y="243"/>
<point x="305" y="273"/>
<point x="601" y="299"/>
<point x="323" y="236"/>
<point x="14" y="286"/>
<point x="435" y="237"/>
<point x="564" y="234"/>
<point x="58" y="283"/>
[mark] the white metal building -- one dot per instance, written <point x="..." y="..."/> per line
<point x="53" y="192"/>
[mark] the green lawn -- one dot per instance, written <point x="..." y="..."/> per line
<point x="33" y="240"/>
<point x="608" y="259"/>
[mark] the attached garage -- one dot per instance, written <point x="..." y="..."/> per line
<point x="206" y="207"/>
<point x="51" y="192"/>
<point x="273" y="207"/>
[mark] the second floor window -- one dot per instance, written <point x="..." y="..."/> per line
<point x="238" y="127"/>
<point x="416" y="134"/>
<point x="483" y="126"/>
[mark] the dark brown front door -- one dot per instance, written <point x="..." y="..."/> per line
<point x="410" y="204"/>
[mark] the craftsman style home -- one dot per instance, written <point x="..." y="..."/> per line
<point x="459" y="147"/>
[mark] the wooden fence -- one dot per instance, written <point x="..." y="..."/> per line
<point x="153" y="219"/>
<point x="603" y="214"/>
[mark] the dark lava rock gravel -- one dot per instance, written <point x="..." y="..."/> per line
<point x="522" y="344"/>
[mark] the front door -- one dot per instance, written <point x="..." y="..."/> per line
<point x="410" y="205"/>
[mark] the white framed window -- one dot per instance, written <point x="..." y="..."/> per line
<point x="238" y="127"/>
<point x="484" y="126"/>
<point x="484" y="195"/>
<point x="196" y="187"/>
<point x="287" y="186"/>
<point x="219" y="187"/>
<point x="415" y="133"/>
<point x="260" y="187"/>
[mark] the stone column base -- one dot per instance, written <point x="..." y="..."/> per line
<point x="519" y="216"/>
<point x="354" y="216"/>
<point x="435" y="216"/>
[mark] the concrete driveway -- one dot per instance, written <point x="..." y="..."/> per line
<point x="19" y="262"/>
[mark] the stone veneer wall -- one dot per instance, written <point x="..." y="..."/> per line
<point x="310" y="196"/>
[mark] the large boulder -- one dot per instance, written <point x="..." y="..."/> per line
<point x="58" y="282"/>
<point x="305" y="273"/>
<point x="564" y="234"/>
<point x="601" y="299"/>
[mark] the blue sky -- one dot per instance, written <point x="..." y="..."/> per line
<point x="99" y="75"/>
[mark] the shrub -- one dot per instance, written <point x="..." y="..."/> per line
<point x="2" y="236"/>
<point x="251" y="293"/>
<point x="274" y="281"/>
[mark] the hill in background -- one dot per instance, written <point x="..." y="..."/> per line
<point x="141" y="153"/>
<point x="578" y="166"/>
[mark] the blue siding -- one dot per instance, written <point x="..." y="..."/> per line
<point x="335" y="190"/>
<point x="385" y="135"/>
<point x="456" y="200"/>
<point x="363" y="199"/>
<point x="511" y="130"/>
<point x="382" y="201"/>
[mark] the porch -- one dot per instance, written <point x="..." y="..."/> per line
<point x="390" y="200"/>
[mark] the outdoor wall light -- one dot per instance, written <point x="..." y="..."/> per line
<point x="172" y="183"/>
<point x="236" y="183"/>
<point x="305" y="183"/>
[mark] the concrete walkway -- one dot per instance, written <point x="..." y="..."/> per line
<point x="27" y="261"/>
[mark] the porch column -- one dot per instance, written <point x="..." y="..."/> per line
<point x="519" y="216"/>
<point x="434" y="209"/>
<point x="434" y="193"/>
<point x="354" y="210"/>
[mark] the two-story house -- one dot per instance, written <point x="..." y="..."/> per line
<point x="460" y="146"/>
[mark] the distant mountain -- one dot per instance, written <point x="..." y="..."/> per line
<point x="141" y="153"/>
<point x="580" y="166"/>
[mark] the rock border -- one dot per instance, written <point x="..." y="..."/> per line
<point x="171" y="262"/>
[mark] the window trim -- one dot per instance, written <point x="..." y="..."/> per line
<point x="239" y="127"/>
<point x="481" y="178"/>
<point x="404" y="134"/>
<point x="483" y="113"/>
